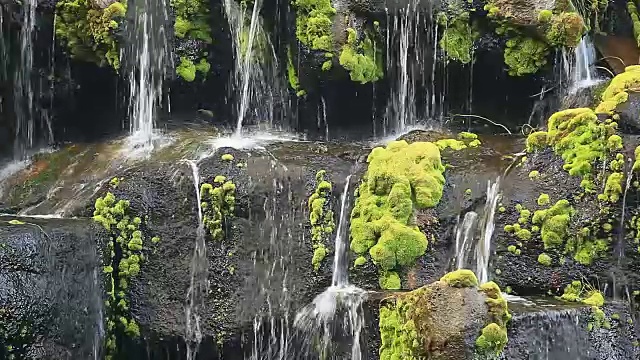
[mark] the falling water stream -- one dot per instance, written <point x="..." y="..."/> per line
<point x="148" y="58"/>
<point x="199" y="283"/>
<point x="464" y="238"/>
<point x="582" y="69"/>
<point x="341" y="298"/>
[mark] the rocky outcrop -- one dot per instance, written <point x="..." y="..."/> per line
<point x="51" y="289"/>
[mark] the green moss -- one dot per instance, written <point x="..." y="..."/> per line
<point x="362" y="58"/>
<point x="458" y="38"/>
<point x="524" y="55"/>
<point x="460" y="278"/>
<point x="465" y="135"/>
<point x="544" y="259"/>
<point x="186" y="69"/>
<point x="320" y="216"/>
<point x="314" y="23"/>
<point x="474" y="143"/>
<point x="565" y="29"/>
<point x="398" y="335"/>
<point x="543" y="199"/>
<point x="451" y="143"/>
<point x="534" y="174"/>
<point x="292" y="75"/>
<point x="360" y="260"/>
<point x="318" y="255"/>
<point x="554" y="223"/>
<point x="226" y="157"/>
<point x="635" y="19"/>
<point x="613" y="188"/>
<point x="523" y="234"/>
<point x="400" y="178"/>
<point x="390" y="281"/>
<point x="595" y="298"/>
<point x="537" y="140"/>
<point x="218" y="204"/>
<point x="636" y="162"/>
<point x="502" y="209"/>
<point x="545" y="15"/>
<point x="493" y="338"/>
<point x="617" y="91"/>
<point x="88" y="32"/>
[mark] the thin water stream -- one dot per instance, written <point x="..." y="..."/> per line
<point x="487" y="225"/>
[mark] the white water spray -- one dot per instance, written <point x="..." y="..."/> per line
<point x="583" y="73"/>
<point x="148" y="60"/>
<point x="464" y="239"/>
<point x="487" y="225"/>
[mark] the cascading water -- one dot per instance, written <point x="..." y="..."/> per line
<point x="464" y="238"/>
<point x="147" y="58"/>
<point x="487" y="225"/>
<point x="256" y="81"/>
<point x="341" y="298"/>
<point x="582" y="70"/>
<point x="23" y="95"/>
<point x="199" y="284"/>
<point x="412" y="52"/>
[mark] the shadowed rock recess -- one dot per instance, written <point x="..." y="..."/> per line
<point x="319" y="180"/>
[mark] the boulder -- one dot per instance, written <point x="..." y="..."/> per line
<point x="51" y="289"/>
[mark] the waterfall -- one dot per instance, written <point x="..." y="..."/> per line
<point x="148" y="60"/>
<point x="341" y="298"/>
<point x="256" y="83"/>
<point x="583" y="72"/>
<point x="412" y="62"/>
<point x="487" y="225"/>
<point x="464" y="239"/>
<point x="199" y="284"/>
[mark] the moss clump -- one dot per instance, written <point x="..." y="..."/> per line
<point x="319" y="254"/>
<point x="565" y="29"/>
<point x="292" y="75"/>
<point x="360" y="260"/>
<point x="398" y="334"/>
<point x="544" y="259"/>
<point x="545" y="15"/>
<point x="218" y="203"/>
<point x="525" y="55"/>
<point x="390" y="281"/>
<point x="537" y="140"/>
<point x="534" y="174"/>
<point x="192" y="24"/>
<point x="465" y="135"/>
<point x="122" y="263"/>
<point x="618" y="90"/>
<point x="314" y="23"/>
<point x="635" y="19"/>
<point x="226" y="157"/>
<point x="579" y="292"/>
<point x="493" y="338"/>
<point x="451" y="143"/>
<point x="458" y="37"/>
<point x="523" y="234"/>
<point x="460" y="278"/>
<point x="400" y="178"/>
<point x="636" y="162"/>
<point x="320" y="217"/>
<point x="363" y="59"/>
<point x="543" y="199"/>
<point x="554" y="223"/>
<point x="87" y="31"/>
<point x="613" y="188"/>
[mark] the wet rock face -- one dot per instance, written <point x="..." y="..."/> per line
<point x="51" y="290"/>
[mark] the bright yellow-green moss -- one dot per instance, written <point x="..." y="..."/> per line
<point x="292" y="75"/>
<point x="460" y="278"/>
<point x="359" y="261"/>
<point x="554" y="223"/>
<point x="226" y="157"/>
<point x="390" y="280"/>
<point x="218" y="203"/>
<point x="578" y="292"/>
<point x="451" y="143"/>
<point x="543" y="200"/>
<point x="523" y="234"/>
<point x="398" y="335"/>
<point x="525" y="55"/>
<point x="320" y="217"/>
<point x="534" y="174"/>
<point x="88" y="31"/>
<point x="595" y="298"/>
<point x="314" y="23"/>
<point x="545" y="15"/>
<point x="362" y="58"/>
<point x="565" y="29"/>
<point x="493" y="338"/>
<point x="465" y="135"/>
<point x="544" y="259"/>
<point x="192" y="24"/>
<point x="612" y="188"/>
<point x="617" y="91"/>
<point x="399" y="179"/>
<point x="635" y="19"/>
<point x="537" y="140"/>
<point x="318" y="255"/>
<point x="636" y="162"/>
<point x="458" y="37"/>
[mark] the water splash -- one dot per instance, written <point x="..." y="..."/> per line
<point x="464" y="239"/>
<point x="199" y="284"/>
<point x="148" y="60"/>
<point x="583" y="72"/>
<point x="487" y="225"/>
<point x="257" y="84"/>
<point x="338" y="310"/>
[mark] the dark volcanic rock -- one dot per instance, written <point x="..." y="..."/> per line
<point x="51" y="291"/>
